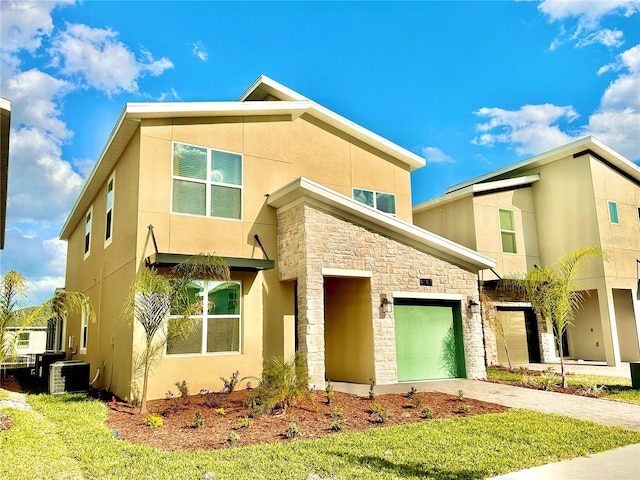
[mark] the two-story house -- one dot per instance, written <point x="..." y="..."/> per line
<point x="531" y="213"/>
<point x="312" y="213"/>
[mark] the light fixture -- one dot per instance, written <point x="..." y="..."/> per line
<point x="474" y="307"/>
<point x="385" y="304"/>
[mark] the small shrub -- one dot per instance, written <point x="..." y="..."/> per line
<point x="336" y="411"/>
<point x="592" y="389"/>
<point x="230" y="384"/>
<point x="380" y="415"/>
<point x="416" y="402"/>
<point x="220" y="411"/>
<point x="548" y="380"/>
<point x="203" y="392"/>
<point x="330" y="394"/>
<point x="283" y="383"/>
<point x="338" y="425"/>
<point x="153" y="421"/>
<point x="233" y="438"/>
<point x="135" y="395"/>
<point x="464" y="409"/>
<point x="292" y="431"/>
<point x="183" y="388"/>
<point x="169" y="394"/>
<point x="426" y="413"/>
<point x="372" y="384"/>
<point x="412" y="392"/>
<point x="244" y="422"/>
<point x="460" y="395"/>
<point x="198" y="422"/>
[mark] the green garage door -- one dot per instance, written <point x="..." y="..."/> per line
<point x="428" y="341"/>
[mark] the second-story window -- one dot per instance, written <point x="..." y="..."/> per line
<point x="109" y="217"/>
<point x="613" y="212"/>
<point x="207" y="182"/>
<point x="385" y="202"/>
<point x="87" y="232"/>
<point x="508" y="231"/>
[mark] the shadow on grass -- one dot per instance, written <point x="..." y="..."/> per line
<point x="415" y="469"/>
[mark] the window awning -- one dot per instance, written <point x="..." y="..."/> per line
<point x="236" y="264"/>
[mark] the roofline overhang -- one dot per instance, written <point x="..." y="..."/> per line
<point x="235" y="264"/>
<point x="585" y="145"/>
<point x="303" y="188"/>
<point x="295" y="105"/>
<point x="478" y="189"/>
<point x="330" y="117"/>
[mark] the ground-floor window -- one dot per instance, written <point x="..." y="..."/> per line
<point x="22" y="342"/>
<point x="217" y="326"/>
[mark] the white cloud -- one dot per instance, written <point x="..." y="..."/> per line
<point x="103" y="62"/>
<point x="530" y="130"/>
<point x="33" y="95"/>
<point x="40" y="259"/>
<point x="43" y="186"/>
<point x="24" y="23"/>
<point x="617" y="121"/>
<point x="170" y="95"/>
<point x="199" y="50"/>
<point x="587" y="16"/>
<point x="435" y="155"/>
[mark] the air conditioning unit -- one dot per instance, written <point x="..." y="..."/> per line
<point x="44" y="361"/>
<point x="70" y="376"/>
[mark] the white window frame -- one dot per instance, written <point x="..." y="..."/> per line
<point x="611" y="203"/>
<point x="18" y="341"/>
<point x="203" y="317"/>
<point x="375" y="199"/>
<point x="88" y="226"/>
<point x="108" y="226"/>
<point x="84" y="330"/>
<point x="208" y="182"/>
<point x="511" y="232"/>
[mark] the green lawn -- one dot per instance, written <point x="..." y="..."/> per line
<point x="615" y="388"/>
<point x="65" y="437"/>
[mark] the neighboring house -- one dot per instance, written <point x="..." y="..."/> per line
<point x="531" y="213"/>
<point x="313" y="215"/>
<point x="5" y="126"/>
<point x="26" y="342"/>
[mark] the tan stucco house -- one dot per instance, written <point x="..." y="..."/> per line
<point x="313" y="214"/>
<point x="531" y="213"/>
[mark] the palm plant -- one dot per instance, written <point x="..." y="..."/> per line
<point x="153" y="296"/>
<point x="13" y="291"/>
<point x="554" y="294"/>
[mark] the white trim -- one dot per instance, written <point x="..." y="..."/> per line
<point x="451" y="297"/>
<point x="303" y="187"/>
<point x="339" y="272"/>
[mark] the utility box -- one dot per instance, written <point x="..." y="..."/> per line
<point x="71" y="376"/>
<point x="635" y="375"/>
<point x="44" y="361"/>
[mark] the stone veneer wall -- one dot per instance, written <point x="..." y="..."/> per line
<point x="310" y="239"/>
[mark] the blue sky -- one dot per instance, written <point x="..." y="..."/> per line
<point x="470" y="86"/>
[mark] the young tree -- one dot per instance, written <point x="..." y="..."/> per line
<point x="553" y="292"/>
<point x="154" y="296"/>
<point x="13" y="291"/>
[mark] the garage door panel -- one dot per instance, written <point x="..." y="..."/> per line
<point x="425" y="342"/>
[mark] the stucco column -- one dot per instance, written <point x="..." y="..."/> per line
<point x="609" y="327"/>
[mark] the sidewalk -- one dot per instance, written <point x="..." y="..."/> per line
<point x="618" y="464"/>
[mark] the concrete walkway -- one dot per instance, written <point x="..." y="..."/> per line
<point x="616" y="464"/>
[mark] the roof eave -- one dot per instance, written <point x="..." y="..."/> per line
<point x="303" y="187"/>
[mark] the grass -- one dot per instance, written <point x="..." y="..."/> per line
<point x="65" y="437"/>
<point x="615" y="388"/>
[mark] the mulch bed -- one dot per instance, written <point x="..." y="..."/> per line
<point x="221" y="428"/>
<point x="313" y="419"/>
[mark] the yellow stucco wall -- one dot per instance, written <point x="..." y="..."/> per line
<point x="276" y="150"/>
